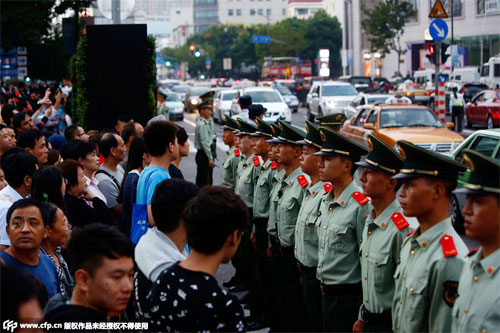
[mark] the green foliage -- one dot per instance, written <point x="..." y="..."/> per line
<point x="384" y="25"/>
<point x="290" y="37"/>
<point x="151" y="74"/>
<point x="78" y="74"/>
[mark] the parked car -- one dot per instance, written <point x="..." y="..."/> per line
<point x="484" y="109"/>
<point x="326" y="97"/>
<point x="180" y="90"/>
<point x="270" y="99"/>
<point x="490" y="72"/>
<point x="364" y="99"/>
<point x="290" y="84"/>
<point x="469" y="90"/>
<point x="192" y="99"/>
<point x="486" y="142"/>
<point x="175" y="106"/>
<point x="361" y="83"/>
<point x="392" y="122"/>
<point x="291" y="100"/>
<point x="222" y="104"/>
<point x="465" y="74"/>
<point x="415" y="91"/>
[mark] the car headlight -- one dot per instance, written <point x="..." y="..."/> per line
<point x="331" y="103"/>
<point x="288" y="100"/>
<point x="194" y="101"/>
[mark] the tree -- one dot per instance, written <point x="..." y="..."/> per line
<point x="384" y="25"/>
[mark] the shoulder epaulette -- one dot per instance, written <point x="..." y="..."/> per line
<point x="360" y="198"/>
<point x="273" y="165"/>
<point x="256" y="161"/>
<point x="472" y="252"/>
<point x="400" y="221"/>
<point x="302" y="181"/>
<point x="448" y="245"/>
<point x="237" y="152"/>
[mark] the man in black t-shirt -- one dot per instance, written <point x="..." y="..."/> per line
<point x="186" y="296"/>
<point x="101" y="261"/>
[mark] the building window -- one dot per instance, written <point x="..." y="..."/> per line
<point x="252" y="12"/>
<point x="201" y="28"/>
<point x="205" y="14"/>
<point x="487" y="7"/>
<point x="457" y="6"/>
<point x="238" y="12"/>
<point x="283" y="12"/>
<point x="413" y="18"/>
<point x="268" y="11"/>
<point x="260" y="11"/>
<point x="301" y="11"/>
<point x="204" y="2"/>
<point x="230" y="12"/>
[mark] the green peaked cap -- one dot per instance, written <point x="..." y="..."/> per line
<point x="289" y="134"/>
<point x="484" y="174"/>
<point x="208" y="95"/>
<point x="334" y="119"/>
<point x="381" y="157"/>
<point x="263" y="129"/>
<point x="313" y="137"/>
<point x="230" y="124"/>
<point x="420" y="162"/>
<point x="335" y="144"/>
<point x="245" y="128"/>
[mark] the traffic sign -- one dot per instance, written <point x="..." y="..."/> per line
<point x="208" y="61"/>
<point x="261" y="39"/>
<point x="441" y="78"/>
<point x="227" y="64"/>
<point x="438" y="11"/>
<point x="438" y="30"/>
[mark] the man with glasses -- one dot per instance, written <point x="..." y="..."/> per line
<point x="75" y="132"/>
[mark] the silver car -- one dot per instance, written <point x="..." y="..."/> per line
<point x="222" y="104"/>
<point x="326" y="97"/>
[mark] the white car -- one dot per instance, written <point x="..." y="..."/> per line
<point x="364" y="99"/>
<point x="326" y="97"/>
<point x="270" y="99"/>
<point x="222" y="104"/>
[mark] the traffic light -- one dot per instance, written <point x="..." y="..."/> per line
<point x="430" y="46"/>
<point x="191" y="49"/>
<point x="444" y="56"/>
<point x="197" y="52"/>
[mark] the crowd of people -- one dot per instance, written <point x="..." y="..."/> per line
<point x="99" y="228"/>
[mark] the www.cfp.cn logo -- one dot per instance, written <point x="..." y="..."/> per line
<point x="10" y="325"/>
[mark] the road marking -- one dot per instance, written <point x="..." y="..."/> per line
<point x="189" y="122"/>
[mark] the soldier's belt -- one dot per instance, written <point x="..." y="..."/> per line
<point x="370" y="317"/>
<point x="342" y="289"/>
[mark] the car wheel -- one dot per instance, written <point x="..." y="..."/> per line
<point x="310" y="116"/>
<point x="457" y="220"/>
<point x="467" y="123"/>
<point x="490" y="123"/>
<point x="181" y="118"/>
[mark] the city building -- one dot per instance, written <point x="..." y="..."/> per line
<point x="205" y="14"/>
<point x="304" y="9"/>
<point x="249" y="12"/>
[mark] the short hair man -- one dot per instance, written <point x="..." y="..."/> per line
<point x="214" y="222"/>
<point x="122" y="121"/>
<point x="27" y="229"/>
<point x="101" y="262"/>
<point x="75" y="132"/>
<point x="384" y="232"/>
<point x="34" y="142"/>
<point x="161" y="142"/>
<point x="433" y="256"/>
<point x="256" y="111"/>
<point x="19" y="168"/>
<point x="244" y="101"/>
<point x="163" y="245"/>
<point x="5" y="139"/>
<point x="129" y="132"/>
<point x="110" y="173"/>
<point x="230" y="164"/>
<point x="22" y="122"/>
<point x="477" y="306"/>
<point x="340" y="227"/>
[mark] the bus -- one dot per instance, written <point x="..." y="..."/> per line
<point x="285" y="68"/>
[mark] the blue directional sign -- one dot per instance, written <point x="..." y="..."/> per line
<point x="208" y="61"/>
<point x="441" y="78"/>
<point x="261" y="39"/>
<point x="438" y="30"/>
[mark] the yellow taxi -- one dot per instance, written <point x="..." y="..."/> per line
<point x="399" y="121"/>
<point x="415" y="91"/>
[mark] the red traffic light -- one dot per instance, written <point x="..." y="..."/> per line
<point x="430" y="47"/>
<point x="192" y="47"/>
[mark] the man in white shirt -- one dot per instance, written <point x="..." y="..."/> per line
<point x="19" y="167"/>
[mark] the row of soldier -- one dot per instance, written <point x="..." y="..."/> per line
<point x="326" y="254"/>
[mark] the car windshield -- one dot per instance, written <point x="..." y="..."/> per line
<point x="198" y="91"/>
<point x="343" y="90"/>
<point x="180" y="89"/>
<point x="172" y="97"/>
<point x="378" y="99"/>
<point x="360" y="80"/>
<point x="228" y="96"/>
<point x="264" y="96"/>
<point x="284" y="91"/>
<point x="408" y="118"/>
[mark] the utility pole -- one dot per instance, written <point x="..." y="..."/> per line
<point x="115" y="11"/>
<point x="452" y="42"/>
